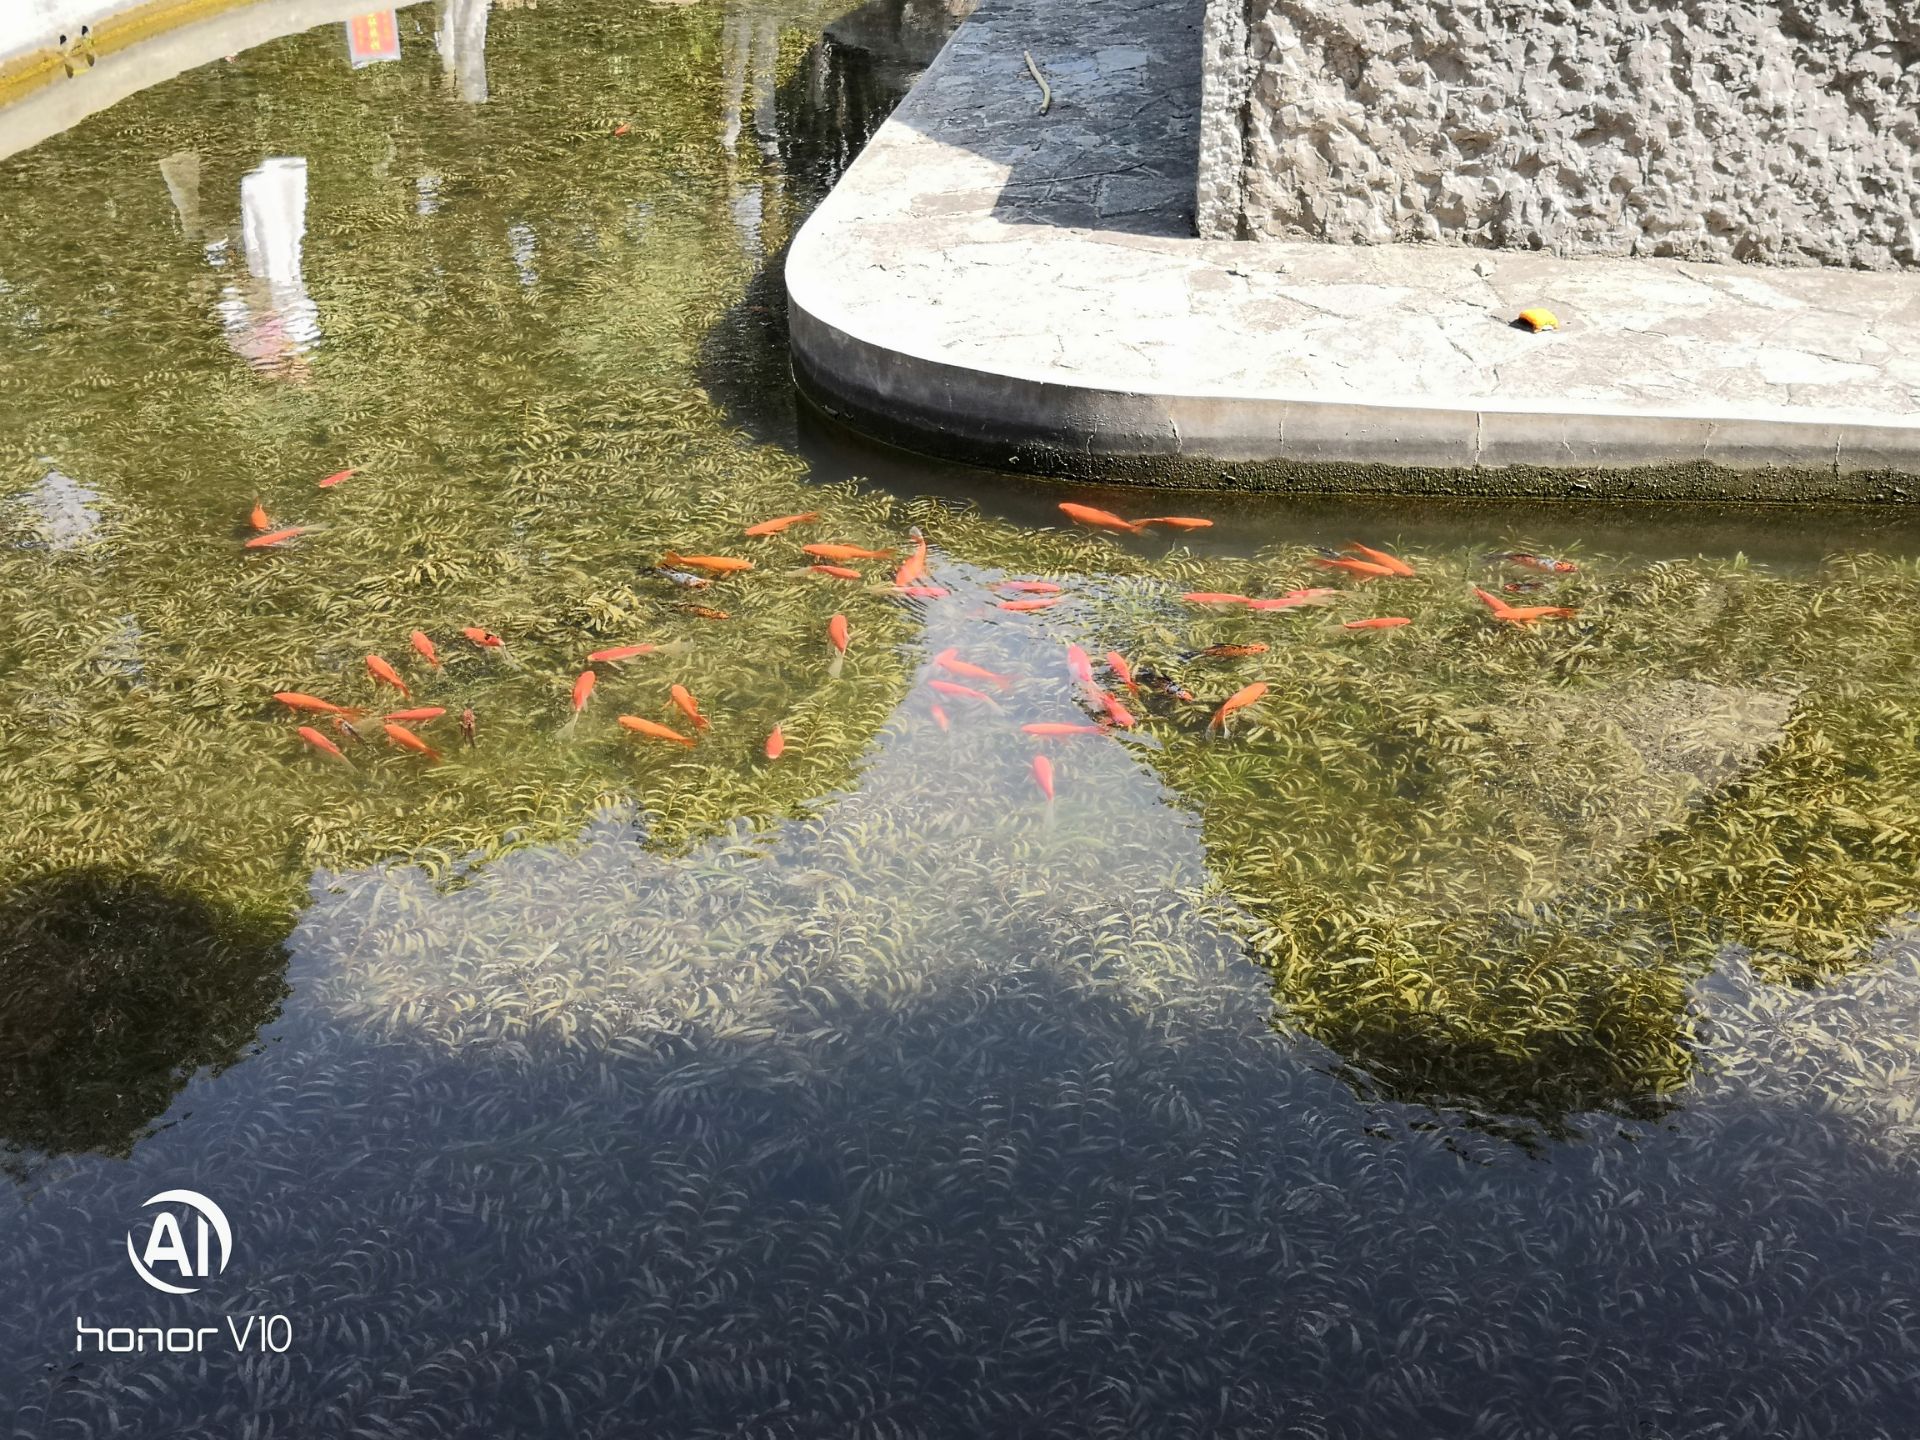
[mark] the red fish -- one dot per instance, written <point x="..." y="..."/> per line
<point x="1365" y="569"/>
<point x="1523" y="615"/>
<point x="1546" y="564"/>
<point x="421" y="643"/>
<point x="1394" y="564"/>
<point x="774" y="527"/>
<point x="275" y="537"/>
<point x="617" y="653"/>
<point x="424" y="712"/>
<point x="949" y="660"/>
<point x="1233" y="652"/>
<point x="386" y="674"/>
<point x="1116" y="712"/>
<point x="485" y="639"/>
<point x="963" y="692"/>
<point x="688" y="706"/>
<point x="846" y="552"/>
<point x="1317" y="595"/>
<point x="1078" y="666"/>
<point x="838" y="572"/>
<point x="1379" y="622"/>
<point x="655" y="730"/>
<point x="258" y="519"/>
<point x="1214" y="597"/>
<point x="914" y="568"/>
<point x="718" y="564"/>
<point x="295" y="700"/>
<point x="776" y="744"/>
<point x="1177" y="522"/>
<point x="1099" y="519"/>
<point x="1117" y="663"/>
<point x="621" y="129"/>
<point x="1030" y="587"/>
<point x="1021" y="606"/>
<point x="1043" y="776"/>
<point x="582" y="688"/>
<point x="407" y="740"/>
<point x="320" y="742"/>
<point x="837" y="637"/>
<point x="1061" y="727"/>
<point x="939" y="717"/>
<point x="1239" y="700"/>
<point x="335" y="478"/>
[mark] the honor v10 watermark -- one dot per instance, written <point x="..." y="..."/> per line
<point x="176" y="1251"/>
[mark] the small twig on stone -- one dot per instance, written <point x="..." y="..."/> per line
<point x="1046" y="90"/>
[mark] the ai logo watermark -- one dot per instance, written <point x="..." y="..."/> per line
<point x="189" y="1240"/>
<point x="167" y="1248"/>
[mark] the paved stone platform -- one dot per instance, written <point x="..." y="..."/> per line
<point x="1023" y="290"/>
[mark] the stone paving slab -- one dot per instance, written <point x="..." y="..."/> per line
<point x="1002" y="285"/>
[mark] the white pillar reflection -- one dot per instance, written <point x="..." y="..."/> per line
<point x="461" y="37"/>
<point x="270" y="320"/>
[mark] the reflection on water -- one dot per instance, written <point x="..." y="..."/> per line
<point x="1506" y="1030"/>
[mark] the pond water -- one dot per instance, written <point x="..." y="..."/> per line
<point x="1494" y="1029"/>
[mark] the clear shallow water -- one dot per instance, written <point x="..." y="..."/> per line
<point x="1504" y="1032"/>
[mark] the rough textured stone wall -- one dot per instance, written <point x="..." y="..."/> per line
<point x="1773" y="131"/>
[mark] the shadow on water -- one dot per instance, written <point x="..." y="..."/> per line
<point x="115" y="990"/>
<point x="987" y="1203"/>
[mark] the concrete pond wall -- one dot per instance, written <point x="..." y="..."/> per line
<point x="1769" y="131"/>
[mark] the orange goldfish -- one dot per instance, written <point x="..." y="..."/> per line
<point x="1079" y="666"/>
<point x="1214" y="597"/>
<point x="335" y="478"/>
<point x="1177" y="522"/>
<point x="1021" y="606"/>
<point x="582" y="688"/>
<point x="838" y="572"/>
<point x="294" y="700"/>
<point x="718" y="564"/>
<point x="654" y="730"/>
<point x="963" y="692"/>
<point x="485" y="639"/>
<point x="1099" y="519"/>
<point x="614" y="654"/>
<point x="1239" y="700"/>
<point x="920" y="592"/>
<point x="705" y="612"/>
<point x="1117" y="663"/>
<point x="837" y="637"/>
<point x="939" y="717"/>
<point x="776" y="744"/>
<point x="1234" y="652"/>
<point x="774" y="527"/>
<point x="688" y="706"/>
<point x="1317" y="595"/>
<point x="914" y="567"/>
<point x="275" y="537"/>
<point x="258" y="519"/>
<point x="420" y="642"/>
<point x="1365" y="569"/>
<point x="846" y="552"/>
<point x="386" y="674"/>
<point x="949" y="660"/>
<point x="1116" y="712"/>
<point x="1379" y="622"/>
<point x="1030" y="587"/>
<point x="424" y="712"/>
<point x="621" y="129"/>
<point x="407" y="740"/>
<point x="1526" y="614"/>
<point x="1395" y="565"/>
<point x="320" y="742"/>
<point x="1061" y="727"/>
<point x="1043" y="776"/>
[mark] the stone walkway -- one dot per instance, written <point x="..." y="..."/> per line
<point x="1023" y="290"/>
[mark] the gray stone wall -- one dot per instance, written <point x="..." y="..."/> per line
<point x="1773" y="131"/>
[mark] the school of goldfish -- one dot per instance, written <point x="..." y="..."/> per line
<point x="1100" y="710"/>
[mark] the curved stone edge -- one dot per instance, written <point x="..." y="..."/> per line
<point x="1249" y="442"/>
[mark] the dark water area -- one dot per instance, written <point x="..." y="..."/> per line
<point x="1495" y="1028"/>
